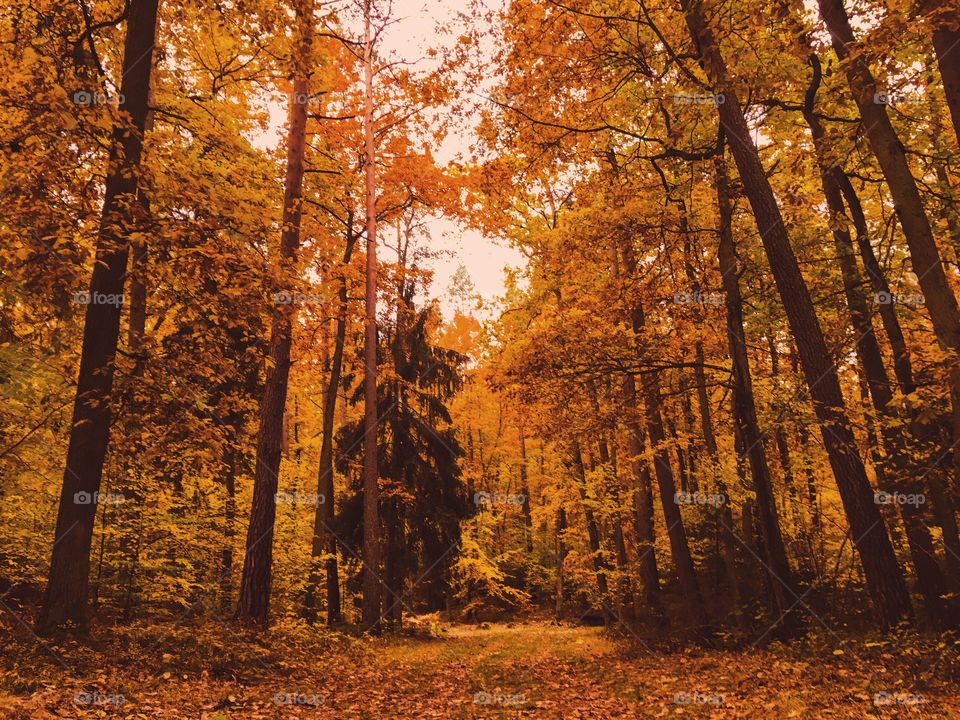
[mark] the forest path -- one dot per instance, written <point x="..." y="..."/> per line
<point x="550" y="671"/>
<point x="517" y="670"/>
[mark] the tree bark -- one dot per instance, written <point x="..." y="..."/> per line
<point x="600" y="564"/>
<point x="324" y="540"/>
<point x="67" y="584"/>
<point x="946" y="44"/>
<point x="889" y="151"/>
<point x="884" y="577"/>
<point x="781" y="586"/>
<point x="255" y="582"/>
<point x="930" y="579"/>
<point x="642" y="501"/>
<point x="371" y="511"/>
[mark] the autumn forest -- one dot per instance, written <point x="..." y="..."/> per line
<point x="480" y="358"/>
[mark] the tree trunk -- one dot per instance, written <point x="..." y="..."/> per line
<point x="525" y="491"/>
<point x="561" y="550"/>
<point x="890" y="154"/>
<point x="679" y="547"/>
<point x="642" y="501"/>
<point x="256" y="579"/>
<point x="929" y="577"/>
<point x="946" y="44"/>
<point x="66" y="594"/>
<point x="371" y="510"/>
<point x="600" y="564"/>
<point x="782" y="591"/>
<point x="884" y="577"/>
<point x="324" y="540"/>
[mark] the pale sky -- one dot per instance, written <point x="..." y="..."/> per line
<point x="483" y="257"/>
<point x="409" y="38"/>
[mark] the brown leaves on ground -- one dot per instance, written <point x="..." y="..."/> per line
<point x="526" y="670"/>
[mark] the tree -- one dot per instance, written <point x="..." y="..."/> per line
<point x="67" y="583"/>
<point x="254" y="602"/>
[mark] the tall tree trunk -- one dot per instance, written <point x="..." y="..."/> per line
<point x="946" y="44"/>
<point x="229" y="531"/>
<point x="561" y="550"/>
<point x="600" y="564"/>
<point x="371" y="510"/>
<point x="642" y="501"/>
<point x="525" y="491"/>
<point x="676" y="533"/>
<point x="324" y="540"/>
<point x="256" y="579"/>
<point x="929" y="577"/>
<point x="781" y="587"/>
<point x="891" y="155"/>
<point x="884" y="577"/>
<point x="66" y="594"/>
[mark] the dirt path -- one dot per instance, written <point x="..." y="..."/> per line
<point x="548" y="671"/>
<point x="523" y="670"/>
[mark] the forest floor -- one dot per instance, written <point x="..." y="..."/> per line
<point x="536" y="669"/>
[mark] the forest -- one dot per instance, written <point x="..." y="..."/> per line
<point x="480" y="359"/>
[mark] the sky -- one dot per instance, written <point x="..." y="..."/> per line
<point x="484" y="258"/>
<point x="409" y="37"/>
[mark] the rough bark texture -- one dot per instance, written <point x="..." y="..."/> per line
<point x="324" y="540"/>
<point x="890" y="154"/>
<point x="255" y="582"/>
<point x="67" y="584"/>
<point x="642" y="501"/>
<point x="883" y="575"/>
<point x="600" y="564"/>
<point x="930" y="579"/>
<point x="780" y="583"/>
<point x="371" y="511"/>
